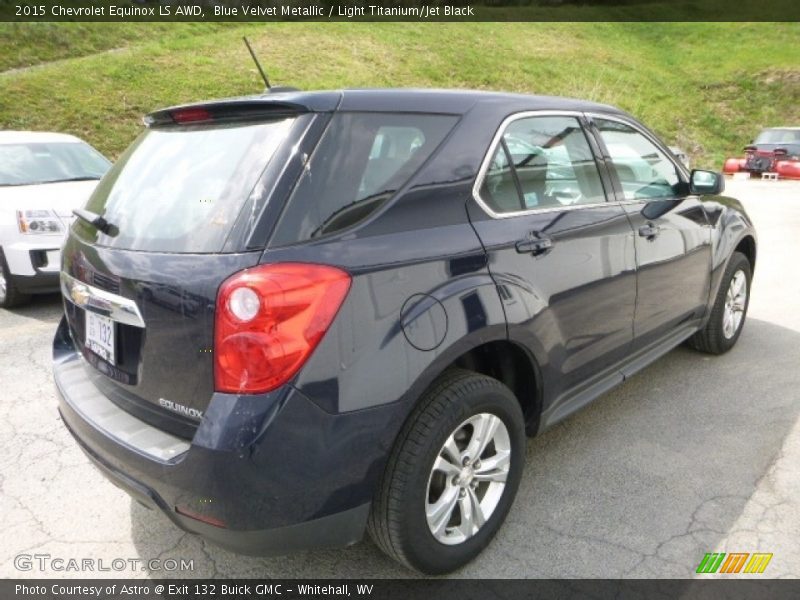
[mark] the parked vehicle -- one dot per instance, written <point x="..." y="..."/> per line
<point x="389" y="289"/>
<point x="43" y="176"/>
<point x="775" y="150"/>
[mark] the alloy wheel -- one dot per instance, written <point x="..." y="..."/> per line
<point x="468" y="478"/>
<point x="735" y="303"/>
<point x="3" y="284"/>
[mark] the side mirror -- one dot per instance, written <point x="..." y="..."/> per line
<point x="706" y="182"/>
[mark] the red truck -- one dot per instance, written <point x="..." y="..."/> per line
<point x="775" y="150"/>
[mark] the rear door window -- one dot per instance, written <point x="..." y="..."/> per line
<point x="180" y="189"/>
<point x="500" y="187"/>
<point x="542" y="162"/>
<point x="361" y="161"/>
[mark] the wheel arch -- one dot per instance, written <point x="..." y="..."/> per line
<point x="511" y="364"/>
<point x="500" y="358"/>
<point x="747" y="246"/>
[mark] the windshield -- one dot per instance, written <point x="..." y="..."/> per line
<point x="779" y="136"/>
<point x="36" y="163"/>
<point x="181" y="189"/>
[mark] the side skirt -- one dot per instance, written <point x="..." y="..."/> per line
<point x="575" y="399"/>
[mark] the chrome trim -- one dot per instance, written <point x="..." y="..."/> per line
<point x="542" y="211"/>
<point x="105" y="416"/>
<point x="88" y="297"/>
<point x="493" y="147"/>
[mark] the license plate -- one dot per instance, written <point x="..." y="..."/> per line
<point x="100" y="336"/>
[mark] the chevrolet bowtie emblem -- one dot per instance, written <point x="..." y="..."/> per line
<point x="79" y="294"/>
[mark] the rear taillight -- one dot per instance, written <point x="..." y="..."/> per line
<point x="191" y="115"/>
<point x="268" y="321"/>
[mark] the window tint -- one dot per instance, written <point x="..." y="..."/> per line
<point x="500" y="188"/>
<point x="643" y="170"/>
<point x="361" y="161"/>
<point x="180" y="189"/>
<point x="28" y="164"/>
<point x="542" y="162"/>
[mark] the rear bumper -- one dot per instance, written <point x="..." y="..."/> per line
<point x="274" y="472"/>
<point x="337" y="530"/>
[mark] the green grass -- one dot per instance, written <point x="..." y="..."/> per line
<point x="707" y="87"/>
<point x="29" y="44"/>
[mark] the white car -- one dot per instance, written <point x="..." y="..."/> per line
<point x="43" y="176"/>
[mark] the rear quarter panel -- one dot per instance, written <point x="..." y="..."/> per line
<point x="417" y="258"/>
<point x="366" y="359"/>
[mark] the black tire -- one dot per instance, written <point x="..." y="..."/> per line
<point x="711" y="339"/>
<point x="12" y="296"/>
<point x="397" y="522"/>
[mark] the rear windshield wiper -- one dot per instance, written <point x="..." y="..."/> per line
<point x="96" y="220"/>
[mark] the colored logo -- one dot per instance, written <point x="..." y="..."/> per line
<point x="734" y="562"/>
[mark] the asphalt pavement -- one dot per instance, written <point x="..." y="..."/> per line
<point x="694" y="454"/>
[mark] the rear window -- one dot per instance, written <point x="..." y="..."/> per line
<point x="181" y="189"/>
<point x="361" y="161"/>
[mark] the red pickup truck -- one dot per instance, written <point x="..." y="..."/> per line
<point x="775" y="150"/>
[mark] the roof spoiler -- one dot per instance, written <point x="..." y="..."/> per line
<point x="225" y="110"/>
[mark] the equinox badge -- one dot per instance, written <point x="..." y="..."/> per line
<point x="181" y="409"/>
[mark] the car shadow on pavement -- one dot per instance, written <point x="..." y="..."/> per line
<point x="42" y="307"/>
<point x="642" y="483"/>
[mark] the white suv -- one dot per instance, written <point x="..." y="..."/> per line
<point x="43" y="176"/>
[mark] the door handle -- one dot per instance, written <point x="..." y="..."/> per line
<point x="534" y="245"/>
<point x="649" y="231"/>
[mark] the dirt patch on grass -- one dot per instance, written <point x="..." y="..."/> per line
<point x="783" y="77"/>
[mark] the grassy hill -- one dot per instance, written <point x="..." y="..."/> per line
<point x="707" y="87"/>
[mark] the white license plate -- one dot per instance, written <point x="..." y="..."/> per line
<point x="100" y="336"/>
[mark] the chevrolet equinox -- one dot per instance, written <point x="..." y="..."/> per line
<point x="295" y="317"/>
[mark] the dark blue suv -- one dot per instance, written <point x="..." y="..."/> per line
<point x="296" y="317"/>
